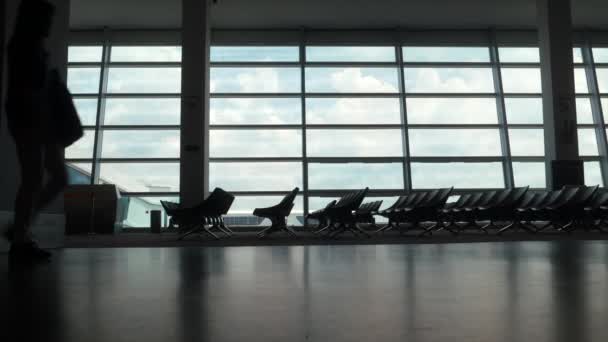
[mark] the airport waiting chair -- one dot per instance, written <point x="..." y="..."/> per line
<point x="526" y="215"/>
<point x="170" y="209"/>
<point x="326" y="211"/>
<point x="194" y="220"/>
<point x="444" y="213"/>
<point x="343" y="218"/>
<point x="321" y="216"/>
<point x="544" y="214"/>
<point x="429" y="211"/>
<point x="365" y="213"/>
<point x="596" y="212"/>
<point x="501" y="209"/>
<point x="466" y="214"/>
<point x="278" y="215"/>
<point x="569" y="215"/>
<point x="390" y="212"/>
<point x="221" y="201"/>
<point x="404" y="217"/>
<point x="529" y="200"/>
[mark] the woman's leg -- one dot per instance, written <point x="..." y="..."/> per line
<point x="30" y="157"/>
<point x="54" y="164"/>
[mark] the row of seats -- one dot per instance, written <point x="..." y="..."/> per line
<point x="567" y="209"/>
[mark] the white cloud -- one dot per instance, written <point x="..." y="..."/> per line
<point x="449" y="80"/>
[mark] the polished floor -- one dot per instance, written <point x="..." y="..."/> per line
<point x="499" y="291"/>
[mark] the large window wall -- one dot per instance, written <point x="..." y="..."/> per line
<point x="128" y="98"/>
<point x="329" y="117"/>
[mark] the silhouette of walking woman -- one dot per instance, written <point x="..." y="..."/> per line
<point x="33" y="124"/>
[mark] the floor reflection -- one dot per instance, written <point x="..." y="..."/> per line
<point x="518" y="291"/>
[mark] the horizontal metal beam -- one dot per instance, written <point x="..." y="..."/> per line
<point x="138" y="160"/>
<point x="139" y="127"/>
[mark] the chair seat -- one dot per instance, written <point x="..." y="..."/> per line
<point x="266" y="212"/>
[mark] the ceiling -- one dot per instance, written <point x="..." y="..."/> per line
<point x="331" y="14"/>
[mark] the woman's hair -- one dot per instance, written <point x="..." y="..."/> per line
<point x="33" y="17"/>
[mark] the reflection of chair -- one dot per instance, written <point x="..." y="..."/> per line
<point x="277" y="215"/>
<point x="209" y="211"/>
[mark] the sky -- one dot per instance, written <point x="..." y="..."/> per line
<point x="319" y="80"/>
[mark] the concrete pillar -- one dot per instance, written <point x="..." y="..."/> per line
<point x="195" y="101"/>
<point x="561" y="142"/>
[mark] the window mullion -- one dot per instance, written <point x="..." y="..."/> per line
<point x="103" y="83"/>
<point x="407" y="174"/>
<point x="596" y="107"/>
<point x="501" y="110"/>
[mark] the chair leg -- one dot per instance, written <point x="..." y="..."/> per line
<point x="290" y="231"/>
<point x="326" y="228"/>
<point x="389" y="226"/>
<point x="266" y="231"/>
<point x="356" y="228"/>
<point x="340" y="229"/>
<point x="542" y="228"/>
<point x="194" y="230"/>
<point x="428" y="230"/>
<point x="208" y="231"/>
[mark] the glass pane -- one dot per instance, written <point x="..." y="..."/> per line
<point x="350" y="54"/>
<point x="524" y="110"/>
<point x="527" y="142"/>
<point x="255" y="143"/>
<point x="79" y="173"/>
<point x="521" y="80"/>
<point x="83" y="148"/>
<point x="529" y="174"/>
<point x="602" y="79"/>
<point x="593" y="173"/>
<point x="144" y="80"/>
<point x="580" y="81"/>
<point x="584" y="115"/>
<point x="83" y="80"/>
<point x="446" y="54"/>
<point x="255" y="111"/>
<point x="267" y="176"/>
<point x="577" y="55"/>
<point x="449" y="80"/>
<point x="451" y="111"/>
<point x="255" y="80"/>
<point x="241" y="211"/>
<point x="146" y="54"/>
<point x="454" y="142"/>
<point x="87" y="111"/>
<point x="353" y="111"/>
<point x="355" y="176"/>
<point x="142" y="111"/>
<point x="459" y="175"/>
<point x="605" y="109"/>
<point x="141" y="177"/>
<point x="519" y="54"/>
<point x="255" y="54"/>
<point x="587" y="142"/>
<point x="351" y="80"/>
<point x="84" y="54"/>
<point x="134" y="212"/>
<point x="140" y="144"/>
<point x="354" y="143"/>
<point x="600" y="55"/>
